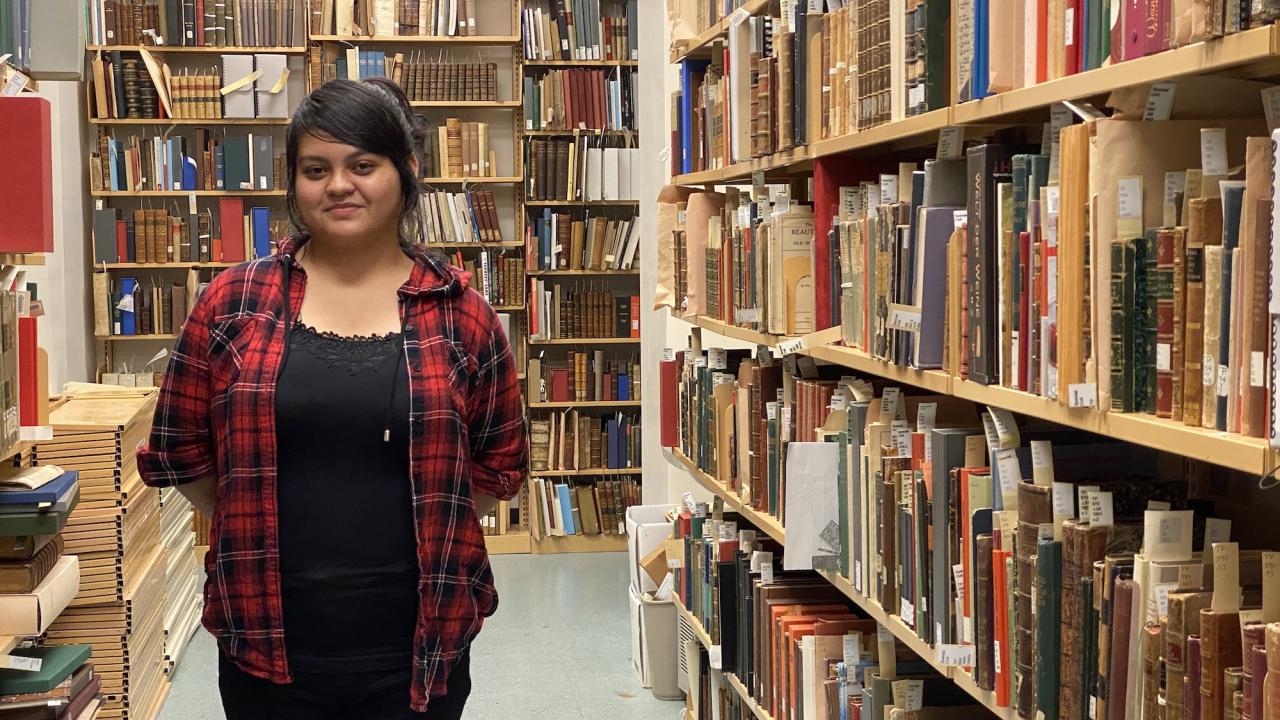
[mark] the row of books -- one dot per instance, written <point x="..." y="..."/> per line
<point x="572" y="440"/>
<point x="1064" y="563"/>
<point x="423" y="79"/>
<point x="457" y="149"/>
<point x="580" y="99"/>
<point x="562" y="312"/>
<point x="561" y="241"/>
<point x="566" y="509"/>
<point x="582" y="169"/>
<point x="469" y="216"/>
<point x="173" y="162"/>
<point x="791" y="641"/>
<point x="744" y="262"/>
<point x="585" y="376"/>
<point x="196" y="23"/>
<point x="690" y="18"/>
<point x="392" y="18"/>
<point x="37" y="582"/>
<point x="500" y="278"/>
<point x="1003" y="47"/>
<point x="128" y="86"/>
<point x="500" y="522"/>
<point x="147" y="307"/>
<point x="580" y="30"/>
<point x="232" y="234"/>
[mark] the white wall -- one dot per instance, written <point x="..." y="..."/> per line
<point x="63" y="282"/>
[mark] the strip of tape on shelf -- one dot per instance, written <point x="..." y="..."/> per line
<point x="812" y="340"/>
<point x="279" y="86"/>
<point x="234" y="86"/>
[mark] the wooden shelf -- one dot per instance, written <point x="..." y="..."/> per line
<point x="769" y="524"/>
<point x="493" y="40"/>
<point x="515" y="543"/>
<point x="570" y="273"/>
<point x="576" y="131"/>
<point x="203" y="49"/>
<point x="190" y="121"/>
<point x="502" y="104"/>
<point x="586" y="341"/>
<point x="1252" y="52"/>
<point x="698" y="45"/>
<point x="793" y="160"/>
<point x="932" y="380"/>
<point x="923" y="128"/>
<point x="34" y="259"/>
<point x="187" y="193"/>
<point x="1251" y="455"/>
<point x="585" y="404"/>
<point x="581" y="63"/>
<point x="471" y="180"/>
<point x="164" y="266"/>
<point x="589" y="472"/>
<point x="474" y="245"/>
<point x="7" y="643"/>
<point x="509" y="308"/>
<point x="581" y="203"/>
<point x="134" y="338"/>
<point x="580" y="544"/>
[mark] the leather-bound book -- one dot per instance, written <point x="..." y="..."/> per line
<point x="985" y="619"/>
<point x="23" y="576"/>
<point x="1219" y="650"/>
<point x="1048" y="634"/>
<point x="1162" y="290"/>
<point x="1191" y="681"/>
<point x="1271" y="686"/>
<point x="1117" y="673"/>
<point x="1124" y="325"/>
<point x="1082" y="546"/>
<point x="1087" y="664"/>
<point x="23" y="547"/>
<point x="1232" y="694"/>
<point x="1179" y="320"/>
<point x="1035" y="507"/>
<point x="1254" y="393"/>
<point x="1183" y="621"/>
<point x="1152" y="644"/>
<point x="1204" y="227"/>
<point x="1255" y="669"/>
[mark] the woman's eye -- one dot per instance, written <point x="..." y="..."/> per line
<point x="314" y="171"/>
<point x="364" y="166"/>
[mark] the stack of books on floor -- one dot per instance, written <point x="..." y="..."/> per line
<point x="50" y="683"/>
<point x="184" y="599"/>
<point x="567" y="509"/>
<point x="37" y="582"/>
<point x="116" y="530"/>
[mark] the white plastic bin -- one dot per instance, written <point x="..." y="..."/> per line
<point x="658" y="620"/>
<point x="647" y="528"/>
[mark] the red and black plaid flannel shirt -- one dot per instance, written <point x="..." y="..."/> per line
<point x="216" y="417"/>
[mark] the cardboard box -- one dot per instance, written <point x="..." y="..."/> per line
<point x="33" y="613"/>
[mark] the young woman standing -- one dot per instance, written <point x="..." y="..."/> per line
<point x="344" y="411"/>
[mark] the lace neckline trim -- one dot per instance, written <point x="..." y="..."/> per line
<point x="330" y="335"/>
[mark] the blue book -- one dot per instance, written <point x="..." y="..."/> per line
<point x="260" y="225"/>
<point x="379" y="63"/>
<point x="624" y="387"/>
<point x="128" y="320"/>
<point x="117" y="180"/>
<point x="566" y="509"/>
<point x="219" y="168"/>
<point x="1232" y="206"/>
<point x="549" y="223"/>
<point x="472" y="214"/>
<point x="47" y="493"/>
<point x="690" y="71"/>
<point x="615" y="443"/>
<point x="981" y="78"/>
<point x="189" y="173"/>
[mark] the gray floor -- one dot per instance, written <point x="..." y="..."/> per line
<point x="558" y="647"/>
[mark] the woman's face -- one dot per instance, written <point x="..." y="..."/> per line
<point x="344" y="193"/>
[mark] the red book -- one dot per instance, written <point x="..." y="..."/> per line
<point x="199" y="38"/>
<point x="1024" y="312"/>
<point x="231" y="220"/>
<point x="999" y="580"/>
<point x="1042" y="43"/>
<point x="26" y="143"/>
<point x="668" y="373"/>
<point x="566" y="89"/>
<point x="1072" y="39"/>
<point x="635" y="316"/>
<point x="1135" y="29"/>
<point x="122" y="241"/>
<point x="28" y="372"/>
<point x="597" y="86"/>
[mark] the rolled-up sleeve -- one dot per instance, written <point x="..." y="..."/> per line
<point x="499" y="444"/>
<point x="180" y="448"/>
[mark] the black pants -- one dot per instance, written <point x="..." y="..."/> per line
<point x="314" y="696"/>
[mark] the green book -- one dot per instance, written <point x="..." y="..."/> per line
<point x="773" y="458"/>
<point x="1048" y="612"/>
<point x="58" y="662"/>
<point x="1123" y="321"/>
<point x="36" y="523"/>
<point x="1089" y="670"/>
<point x="1147" y="292"/>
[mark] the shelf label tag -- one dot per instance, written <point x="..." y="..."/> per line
<point x="888" y="189"/>
<point x="18" y="662"/>
<point x="1082" y="395"/>
<point x="950" y="655"/>
<point x="950" y="142"/>
<point x="1160" y="101"/>
<point x="1175" y="183"/>
<point x="1213" y="151"/>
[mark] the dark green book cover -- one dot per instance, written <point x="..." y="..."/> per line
<point x="1048" y="619"/>
<point x="1147" y="293"/>
<point x="1123" y="322"/>
<point x="58" y="664"/>
<point x="1089" y="633"/>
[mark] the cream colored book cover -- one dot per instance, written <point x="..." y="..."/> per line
<point x="795" y="231"/>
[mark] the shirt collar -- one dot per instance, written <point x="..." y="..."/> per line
<point x="431" y="274"/>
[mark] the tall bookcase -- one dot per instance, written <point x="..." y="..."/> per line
<point x="579" y="63"/>
<point x="842" y="149"/>
<point x="321" y="48"/>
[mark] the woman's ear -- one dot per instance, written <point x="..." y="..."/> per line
<point x="413" y="164"/>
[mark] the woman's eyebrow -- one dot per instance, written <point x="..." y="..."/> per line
<point x="317" y="158"/>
